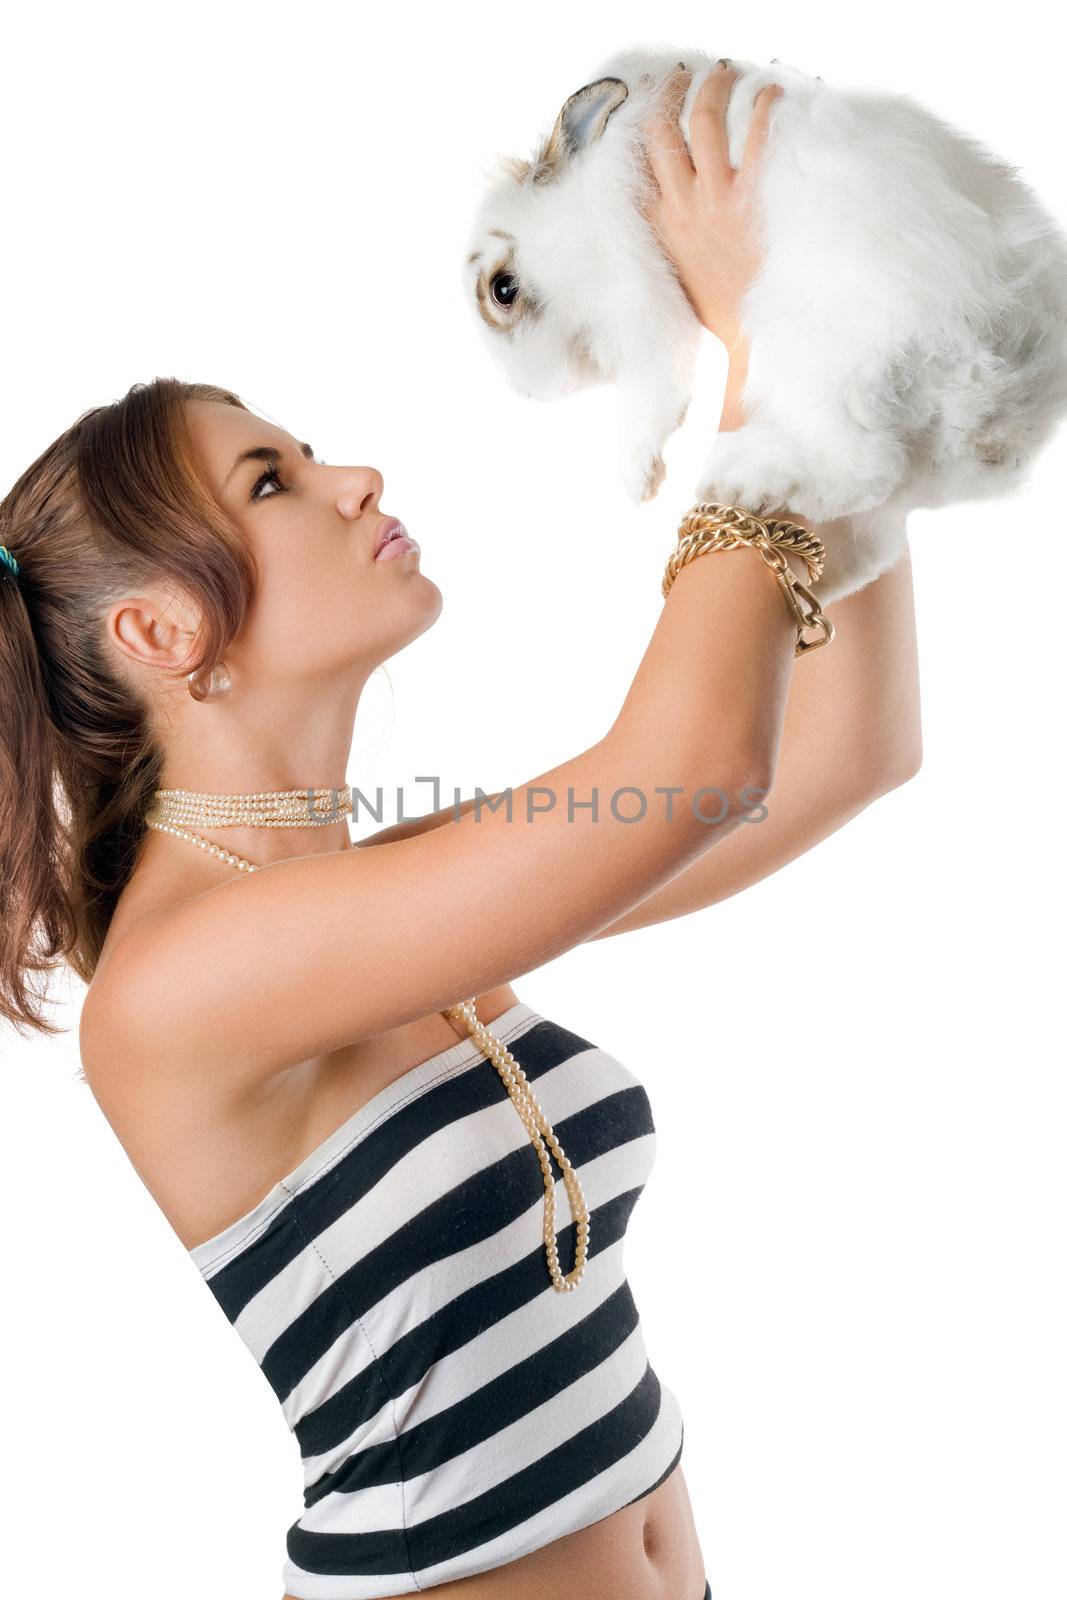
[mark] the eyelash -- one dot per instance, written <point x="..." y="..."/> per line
<point x="272" y="476"/>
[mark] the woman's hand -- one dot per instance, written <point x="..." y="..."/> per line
<point x="702" y="213"/>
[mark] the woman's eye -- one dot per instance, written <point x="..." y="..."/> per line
<point x="504" y="288"/>
<point x="270" y="476"/>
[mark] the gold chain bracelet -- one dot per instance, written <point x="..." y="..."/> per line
<point x="708" y="526"/>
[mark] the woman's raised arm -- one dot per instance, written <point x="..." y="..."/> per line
<point x="852" y="733"/>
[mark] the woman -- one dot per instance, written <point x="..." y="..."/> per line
<point x="378" y="1231"/>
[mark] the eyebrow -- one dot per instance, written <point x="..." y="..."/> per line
<point x="262" y="452"/>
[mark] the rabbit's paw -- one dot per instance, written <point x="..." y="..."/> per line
<point x="642" y="473"/>
<point x="754" y="467"/>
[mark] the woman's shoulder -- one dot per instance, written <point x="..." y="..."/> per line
<point x="113" y="1014"/>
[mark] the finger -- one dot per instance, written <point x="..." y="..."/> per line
<point x="707" y="124"/>
<point x="666" y="149"/>
<point x="760" y="126"/>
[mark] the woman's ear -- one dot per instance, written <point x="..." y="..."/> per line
<point x="152" y="629"/>
<point x="580" y="124"/>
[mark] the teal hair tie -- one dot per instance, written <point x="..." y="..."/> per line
<point x="9" y="561"/>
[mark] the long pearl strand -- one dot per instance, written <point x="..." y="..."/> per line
<point x="535" y="1123"/>
<point x="515" y="1081"/>
<point x="228" y="856"/>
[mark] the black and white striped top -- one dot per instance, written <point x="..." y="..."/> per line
<point x="453" y="1409"/>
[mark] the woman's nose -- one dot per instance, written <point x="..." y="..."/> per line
<point x="360" y="492"/>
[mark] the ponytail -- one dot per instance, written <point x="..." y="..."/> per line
<point x="114" y="503"/>
<point x="34" y="914"/>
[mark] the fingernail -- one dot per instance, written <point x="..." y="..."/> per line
<point x="723" y="61"/>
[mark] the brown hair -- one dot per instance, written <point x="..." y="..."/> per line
<point x="115" y="502"/>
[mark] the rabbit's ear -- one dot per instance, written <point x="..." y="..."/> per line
<point x="580" y="123"/>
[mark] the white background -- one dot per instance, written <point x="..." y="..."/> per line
<point x="849" y="1259"/>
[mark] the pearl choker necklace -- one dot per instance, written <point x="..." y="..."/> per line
<point x="277" y="808"/>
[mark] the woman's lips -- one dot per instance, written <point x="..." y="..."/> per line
<point x="393" y="540"/>
<point x="396" y="547"/>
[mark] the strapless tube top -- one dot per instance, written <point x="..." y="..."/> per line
<point x="453" y="1409"/>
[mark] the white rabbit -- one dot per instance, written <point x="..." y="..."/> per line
<point x="907" y="330"/>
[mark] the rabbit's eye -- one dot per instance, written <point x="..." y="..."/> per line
<point x="505" y="286"/>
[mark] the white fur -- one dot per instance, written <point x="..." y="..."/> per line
<point x="907" y="330"/>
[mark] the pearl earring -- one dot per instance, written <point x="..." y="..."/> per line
<point x="214" y="687"/>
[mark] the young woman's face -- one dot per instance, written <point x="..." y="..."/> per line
<point x="325" y="602"/>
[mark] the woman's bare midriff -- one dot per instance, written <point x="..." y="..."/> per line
<point x="647" y="1551"/>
